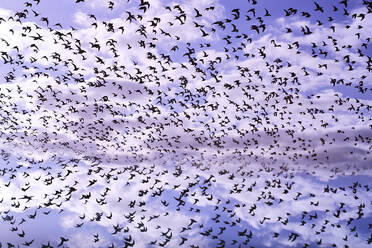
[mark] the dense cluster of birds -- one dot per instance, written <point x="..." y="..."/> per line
<point x="188" y="125"/>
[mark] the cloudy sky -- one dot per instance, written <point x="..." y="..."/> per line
<point x="185" y="123"/>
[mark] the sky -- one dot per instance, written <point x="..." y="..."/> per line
<point x="185" y="123"/>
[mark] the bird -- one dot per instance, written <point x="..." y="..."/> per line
<point x="62" y="241"/>
<point x="318" y="7"/>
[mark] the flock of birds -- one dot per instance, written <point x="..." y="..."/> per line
<point x="190" y="125"/>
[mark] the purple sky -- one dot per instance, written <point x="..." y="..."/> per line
<point x="187" y="122"/>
